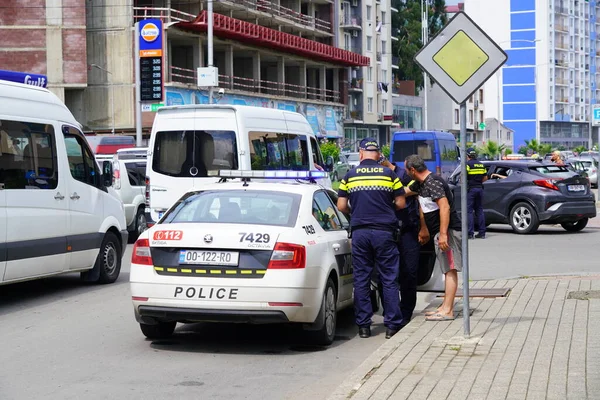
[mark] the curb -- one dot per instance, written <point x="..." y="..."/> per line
<point x="370" y="366"/>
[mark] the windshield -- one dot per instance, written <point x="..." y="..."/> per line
<point x="278" y="151"/>
<point x="136" y="171"/>
<point x="353" y="157"/>
<point x="194" y="153"/>
<point x="405" y="148"/>
<point x="554" y="171"/>
<point x="237" y="207"/>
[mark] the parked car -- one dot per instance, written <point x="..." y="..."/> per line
<point x="341" y="168"/>
<point x="577" y="166"/>
<point x="353" y="159"/>
<point x="591" y="168"/>
<point x="526" y="194"/>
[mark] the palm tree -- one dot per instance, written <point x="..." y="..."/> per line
<point x="533" y="145"/>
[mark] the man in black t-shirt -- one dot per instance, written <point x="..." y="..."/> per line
<point x="437" y="202"/>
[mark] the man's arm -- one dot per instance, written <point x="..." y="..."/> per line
<point x="423" y="231"/>
<point x="444" y="206"/>
<point x="399" y="199"/>
<point x="342" y="205"/>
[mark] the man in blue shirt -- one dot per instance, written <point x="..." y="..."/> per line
<point x="371" y="193"/>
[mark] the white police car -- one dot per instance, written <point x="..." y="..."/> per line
<point x="246" y="251"/>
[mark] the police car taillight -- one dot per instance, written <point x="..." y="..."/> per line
<point x="141" y="253"/>
<point x="288" y="256"/>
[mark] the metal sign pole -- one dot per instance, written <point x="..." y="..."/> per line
<point x="464" y="218"/>
<point x="138" y="89"/>
<point x="209" y="33"/>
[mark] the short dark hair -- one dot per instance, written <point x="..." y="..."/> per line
<point x="416" y="162"/>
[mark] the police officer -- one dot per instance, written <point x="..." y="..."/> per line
<point x="476" y="175"/>
<point x="371" y="193"/>
<point x="413" y="234"/>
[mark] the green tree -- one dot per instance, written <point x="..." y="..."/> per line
<point x="407" y="24"/>
<point x="580" y="149"/>
<point x="545" y="148"/>
<point x="491" y="149"/>
<point x="523" y="150"/>
<point x="330" y="148"/>
<point x="385" y="150"/>
<point x="507" y="151"/>
<point x="532" y="145"/>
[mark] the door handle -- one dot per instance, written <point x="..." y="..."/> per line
<point x="75" y="196"/>
<point x="336" y="247"/>
<point x="59" y="196"/>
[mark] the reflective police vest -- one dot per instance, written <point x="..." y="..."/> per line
<point x="475" y="173"/>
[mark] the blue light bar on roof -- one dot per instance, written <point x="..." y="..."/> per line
<point x="283" y="174"/>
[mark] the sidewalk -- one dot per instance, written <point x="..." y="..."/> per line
<point x="538" y="342"/>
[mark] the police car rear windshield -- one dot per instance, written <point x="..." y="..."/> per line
<point x="237" y="207"/>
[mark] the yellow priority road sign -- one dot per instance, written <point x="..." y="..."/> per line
<point x="461" y="57"/>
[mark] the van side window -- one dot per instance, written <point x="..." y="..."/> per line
<point x="27" y="155"/>
<point x="81" y="161"/>
<point x="278" y="151"/>
<point x="316" y="152"/>
<point x="448" y="150"/>
<point x="404" y="148"/>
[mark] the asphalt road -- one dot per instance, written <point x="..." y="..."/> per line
<point x="61" y="339"/>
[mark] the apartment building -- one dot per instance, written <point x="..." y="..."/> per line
<point x="285" y="54"/>
<point x="548" y="86"/>
<point x="365" y="28"/>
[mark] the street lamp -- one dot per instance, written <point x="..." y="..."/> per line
<point x="112" y="94"/>
<point x="535" y="81"/>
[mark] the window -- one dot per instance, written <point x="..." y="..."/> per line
<point x="471" y="117"/>
<point x="383" y="47"/>
<point x="480" y="116"/>
<point x="370" y="104"/>
<point x="456" y="116"/>
<point x="471" y="99"/>
<point x="480" y="96"/>
<point x="27" y="156"/>
<point x="136" y="171"/>
<point x="278" y="151"/>
<point x="384" y="75"/>
<point x="369" y="13"/>
<point x="383" y="17"/>
<point x="554" y="171"/>
<point x="448" y="150"/>
<point x="237" y="207"/>
<point x="316" y="152"/>
<point x="487" y="134"/>
<point x="325" y="213"/>
<point x="81" y="161"/>
<point x="370" y="74"/>
<point x="369" y="43"/>
<point x="405" y="148"/>
<point x="194" y="153"/>
<point x="384" y="106"/>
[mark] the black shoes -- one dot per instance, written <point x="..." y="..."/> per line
<point x="471" y="237"/>
<point x="480" y="236"/>
<point x="390" y="332"/>
<point x="364" y="332"/>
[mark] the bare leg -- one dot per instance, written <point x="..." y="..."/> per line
<point x="451" y="285"/>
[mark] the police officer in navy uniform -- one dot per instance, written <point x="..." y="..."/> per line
<point x="413" y="234"/>
<point x="371" y="193"/>
<point x="476" y="175"/>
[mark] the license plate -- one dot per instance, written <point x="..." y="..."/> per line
<point x="202" y="257"/>
<point x="575" y="188"/>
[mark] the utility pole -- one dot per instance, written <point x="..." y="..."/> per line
<point x="424" y="39"/>
<point x="210" y="45"/>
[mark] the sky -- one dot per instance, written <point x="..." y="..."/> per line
<point x="451" y="2"/>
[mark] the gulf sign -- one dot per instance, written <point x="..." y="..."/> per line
<point x="151" y="38"/>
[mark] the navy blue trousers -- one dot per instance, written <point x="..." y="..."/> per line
<point x="370" y="248"/>
<point x="475" y="207"/>
<point x="409" y="265"/>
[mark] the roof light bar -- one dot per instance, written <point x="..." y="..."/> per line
<point x="283" y="174"/>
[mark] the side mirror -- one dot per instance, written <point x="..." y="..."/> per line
<point x="107" y="173"/>
<point x="329" y="163"/>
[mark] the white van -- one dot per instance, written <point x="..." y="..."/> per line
<point x="189" y="141"/>
<point x="56" y="212"/>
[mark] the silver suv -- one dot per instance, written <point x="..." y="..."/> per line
<point x="129" y="183"/>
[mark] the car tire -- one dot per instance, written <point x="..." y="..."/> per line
<point x="575" y="226"/>
<point x="161" y="330"/>
<point x="326" y="334"/>
<point x="141" y="224"/>
<point x="109" y="259"/>
<point x="335" y="177"/>
<point x="523" y="218"/>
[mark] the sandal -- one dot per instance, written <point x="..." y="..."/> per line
<point x="428" y="313"/>
<point x="440" y="317"/>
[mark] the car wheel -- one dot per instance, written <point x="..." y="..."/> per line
<point x="141" y="224"/>
<point x="335" y="177"/>
<point x="325" y="335"/>
<point x="161" y="330"/>
<point x="524" y="219"/>
<point x="575" y="226"/>
<point x="109" y="259"/>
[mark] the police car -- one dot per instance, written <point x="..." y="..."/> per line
<point x="246" y="250"/>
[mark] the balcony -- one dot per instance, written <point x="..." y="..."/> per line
<point x="354" y="116"/>
<point x="378" y="56"/>
<point x="166" y="15"/>
<point x="562" y="10"/>
<point x="351" y="23"/>
<point x="561" y="28"/>
<point x="186" y="76"/>
<point x="561" y="82"/>
<point x="355" y="85"/>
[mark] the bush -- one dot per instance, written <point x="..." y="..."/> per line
<point x="330" y="148"/>
<point x="385" y="149"/>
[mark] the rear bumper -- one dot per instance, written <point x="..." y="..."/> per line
<point x="568" y="212"/>
<point x="152" y="314"/>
